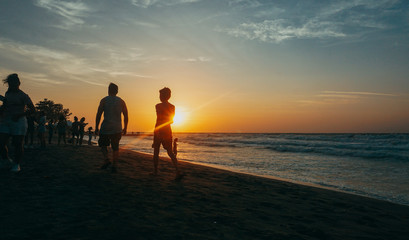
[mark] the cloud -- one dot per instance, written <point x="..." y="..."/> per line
<point x="160" y="3"/>
<point x="52" y="64"/>
<point x="342" y="97"/>
<point x="120" y="73"/>
<point x="351" y="94"/>
<point x="322" y="20"/>
<point x="279" y="30"/>
<point x="145" y="24"/>
<point x="245" y="3"/>
<point x="42" y="78"/>
<point x="199" y="59"/>
<point x="71" y="12"/>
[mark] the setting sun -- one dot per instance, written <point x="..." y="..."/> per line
<point x="180" y="116"/>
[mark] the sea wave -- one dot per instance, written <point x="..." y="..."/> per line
<point x="392" y="147"/>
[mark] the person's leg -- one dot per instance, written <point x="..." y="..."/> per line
<point x="167" y="144"/>
<point x="156" y="150"/>
<point x="3" y="145"/>
<point x="115" y="138"/>
<point x="42" y="140"/>
<point x="103" y="143"/>
<point x="26" y="139"/>
<point x="104" y="151"/>
<point x="115" y="156"/>
<point x="31" y="137"/>
<point x="17" y="142"/>
<point x="175" y="163"/>
<point x="81" y="138"/>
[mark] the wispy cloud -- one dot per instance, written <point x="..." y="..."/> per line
<point x="71" y="12"/>
<point x="199" y="59"/>
<point x="120" y="73"/>
<point x="160" y="3"/>
<point x="54" y="64"/>
<point x="41" y="79"/>
<point x="245" y="3"/>
<point x="145" y="24"/>
<point x="337" y="20"/>
<point x="338" y="93"/>
<point x="342" y="97"/>
<point x="279" y="30"/>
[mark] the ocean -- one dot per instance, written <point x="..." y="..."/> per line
<point x="372" y="165"/>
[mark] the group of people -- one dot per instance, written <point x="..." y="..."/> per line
<point x="16" y="122"/>
<point x="61" y="127"/>
<point x="113" y="107"/>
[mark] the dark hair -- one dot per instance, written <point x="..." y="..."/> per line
<point x="164" y="94"/>
<point x="12" y="78"/>
<point x="112" y="89"/>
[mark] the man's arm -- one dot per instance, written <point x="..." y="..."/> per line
<point x="98" y="118"/>
<point x="125" y="112"/>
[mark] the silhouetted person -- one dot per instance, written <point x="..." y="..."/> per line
<point x="89" y="135"/>
<point x="41" y="128"/>
<point x="62" y="129"/>
<point x="29" y="138"/>
<point x="13" y="121"/>
<point x="75" y="131"/>
<point x="165" y="112"/>
<point x="111" y="128"/>
<point x="50" y="127"/>
<point x="81" y="130"/>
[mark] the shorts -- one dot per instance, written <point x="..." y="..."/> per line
<point x="164" y="137"/>
<point x="13" y="128"/>
<point x="110" y="139"/>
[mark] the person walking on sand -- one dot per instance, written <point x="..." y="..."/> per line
<point x="75" y="131"/>
<point x="50" y="127"/>
<point x="89" y="136"/>
<point x="111" y="128"/>
<point x="62" y="129"/>
<point x="81" y="131"/>
<point x="13" y="121"/>
<point x="165" y="112"/>
<point x="29" y="138"/>
<point x="41" y="129"/>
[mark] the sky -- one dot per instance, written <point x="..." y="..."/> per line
<point x="293" y="66"/>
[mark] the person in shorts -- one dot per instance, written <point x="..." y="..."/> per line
<point x="75" y="131"/>
<point x="165" y="112"/>
<point x="111" y="128"/>
<point x="62" y="129"/>
<point x="13" y="121"/>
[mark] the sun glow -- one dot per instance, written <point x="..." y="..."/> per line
<point x="180" y="116"/>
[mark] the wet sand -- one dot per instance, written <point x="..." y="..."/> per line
<point x="62" y="194"/>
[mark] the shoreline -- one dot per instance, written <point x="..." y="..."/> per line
<point x="62" y="194"/>
<point x="367" y="195"/>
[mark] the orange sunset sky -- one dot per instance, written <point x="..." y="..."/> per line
<point x="233" y="65"/>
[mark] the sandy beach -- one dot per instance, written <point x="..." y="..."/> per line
<point x="62" y="194"/>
